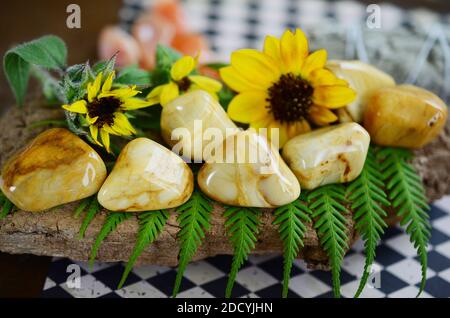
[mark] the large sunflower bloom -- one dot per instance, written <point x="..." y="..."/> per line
<point x="284" y="86"/>
<point x="182" y="81"/>
<point x="104" y="109"/>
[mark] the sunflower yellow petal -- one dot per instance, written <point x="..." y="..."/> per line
<point x="237" y="82"/>
<point x="272" y="49"/>
<point x="248" y="107"/>
<point x="121" y="93"/>
<point x="91" y="120"/>
<point x="169" y="92"/>
<point x="135" y="103"/>
<point x="108" y="82"/>
<point x="105" y="139"/>
<point x="77" y="107"/>
<point x="333" y="96"/>
<point x="122" y="121"/>
<point x="321" y="116"/>
<point x="323" y="77"/>
<point x="314" y="61"/>
<point x="94" y="134"/>
<point x="183" y="67"/>
<point x="206" y="83"/>
<point x="94" y="88"/>
<point x="154" y="96"/>
<point x="294" y="49"/>
<point x="256" y="67"/>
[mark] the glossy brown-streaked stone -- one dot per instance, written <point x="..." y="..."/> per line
<point x="57" y="167"/>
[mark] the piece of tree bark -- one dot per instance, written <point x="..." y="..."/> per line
<point x="55" y="232"/>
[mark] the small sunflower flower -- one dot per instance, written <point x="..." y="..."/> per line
<point x="284" y="86"/>
<point x="104" y="109"/>
<point x="181" y="81"/>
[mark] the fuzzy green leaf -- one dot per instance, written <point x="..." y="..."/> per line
<point x="194" y="220"/>
<point x="49" y="52"/>
<point x="133" y="75"/>
<point x="291" y="219"/>
<point x="368" y="199"/>
<point x="151" y="225"/>
<point x="242" y="228"/>
<point x="6" y="206"/>
<point x="328" y="206"/>
<point x="407" y="195"/>
<point x="93" y="207"/>
<point x="111" y="222"/>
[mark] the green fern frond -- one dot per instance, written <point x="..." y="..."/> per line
<point x="291" y="219"/>
<point x="82" y="207"/>
<point x="151" y="225"/>
<point x="242" y="227"/>
<point x="93" y="207"/>
<point x="6" y="206"/>
<point x="327" y="204"/>
<point x="111" y="222"/>
<point x="194" y="220"/>
<point x="407" y="195"/>
<point x="368" y="199"/>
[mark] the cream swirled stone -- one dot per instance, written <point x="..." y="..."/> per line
<point x="146" y="176"/>
<point x="185" y="120"/>
<point x="364" y="79"/>
<point x="404" y="116"/>
<point x="252" y="174"/>
<point x="333" y="154"/>
<point x="56" y="168"/>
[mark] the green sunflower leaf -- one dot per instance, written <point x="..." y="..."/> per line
<point x="291" y="219"/>
<point x="133" y="75"/>
<point x="49" y="52"/>
<point x="328" y="206"/>
<point x="368" y="201"/>
<point x="242" y="228"/>
<point x="111" y="222"/>
<point x="407" y="195"/>
<point x="6" y="206"/>
<point x="151" y="225"/>
<point x="194" y="220"/>
<point x="93" y="207"/>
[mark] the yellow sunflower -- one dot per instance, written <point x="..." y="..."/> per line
<point x="284" y="86"/>
<point x="182" y="81"/>
<point x="104" y="109"/>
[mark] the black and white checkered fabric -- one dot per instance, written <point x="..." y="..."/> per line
<point x="233" y="24"/>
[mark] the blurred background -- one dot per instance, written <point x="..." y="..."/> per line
<point x="410" y="42"/>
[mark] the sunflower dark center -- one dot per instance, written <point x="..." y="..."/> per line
<point x="104" y="108"/>
<point x="290" y="98"/>
<point x="184" y="84"/>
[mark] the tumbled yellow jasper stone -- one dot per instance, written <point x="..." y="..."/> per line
<point x="364" y="78"/>
<point x="186" y="121"/>
<point x="404" y="116"/>
<point x="146" y="176"/>
<point x="242" y="180"/>
<point x="57" y="167"/>
<point x="334" y="154"/>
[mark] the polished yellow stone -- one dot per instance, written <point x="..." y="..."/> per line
<point x="364" y="78"/>
<point x="189" y="122"/>
<point x="251" y="174"/>
<point x="404" y="116"/>
<point x="334" y="154"/>
<point x="57" y="167"/>
<point x="146" y="176"/>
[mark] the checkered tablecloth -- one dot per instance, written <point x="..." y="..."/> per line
<point x="233" y="24"/>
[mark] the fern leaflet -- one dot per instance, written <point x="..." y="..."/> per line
<point x="290" y="219"/>
<point x="151" y="225"/>
<point x="194" y="217"/>
<point x="368" y="199"/>
<point x="407" y="195"/>
<point x="327" y="204"/>
<point x="93" y="207"/>
<point x="111" y="222"/>
<point x="242" y="227"/>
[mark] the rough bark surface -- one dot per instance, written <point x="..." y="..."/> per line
<point x="55" y="232"/>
